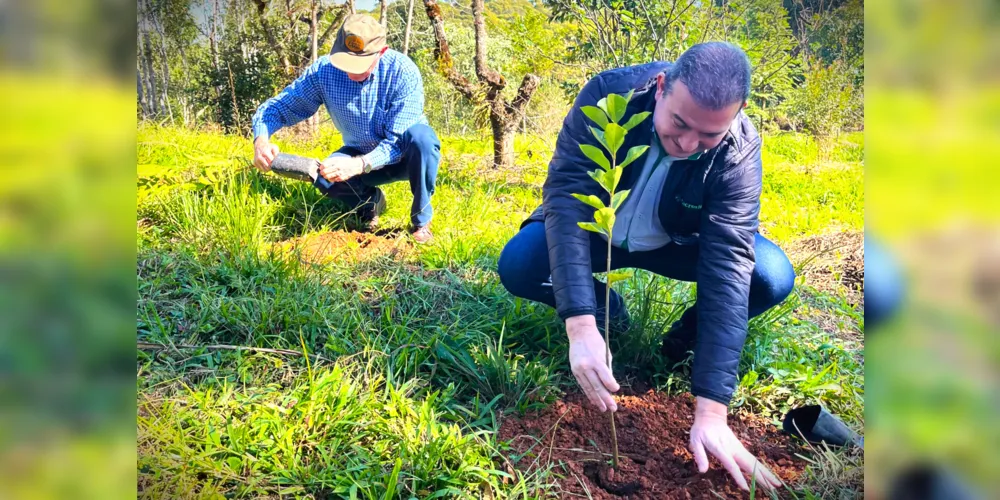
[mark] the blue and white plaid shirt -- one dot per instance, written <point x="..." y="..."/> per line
<point x="371" y="115"/>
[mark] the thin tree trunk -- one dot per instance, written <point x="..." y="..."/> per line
<point x="383" y="13"/>
<point x="147" y="62"/>
<point x="141" y="73"/>
<point x="165" y="88"/>
<point x="314" y="53"/>
<point x="185" y="112"/>
<point x="211" y="36"/>
<point x="409" y="24"/>
<point x="138" y="88"/>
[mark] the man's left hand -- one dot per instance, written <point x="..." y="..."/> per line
<point x="711" y="433"/>
<point x="340" y="168"/>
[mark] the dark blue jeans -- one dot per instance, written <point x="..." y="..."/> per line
<point x="421" y="156"/>
<point x="884" y="284"/>
<point x="524" y="270"/>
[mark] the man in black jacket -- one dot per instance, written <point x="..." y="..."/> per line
<point x="692" y="215"/>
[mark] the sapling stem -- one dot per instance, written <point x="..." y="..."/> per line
<point x="607" y="114"/>
<point x="607" y="346"/>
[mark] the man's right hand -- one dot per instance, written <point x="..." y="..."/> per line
<point x="264" y="153"/>
<point x="587" y="352"/>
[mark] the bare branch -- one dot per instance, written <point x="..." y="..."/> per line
<point x="335" y="25"/>
<point x="442" y="54"/>
<point x="528" y="86"/>
<point x="483" y="72"/>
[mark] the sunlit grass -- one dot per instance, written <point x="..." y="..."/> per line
<point x="427" y="344"/>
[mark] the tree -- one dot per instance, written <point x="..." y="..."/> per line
<point x="409" y="26"/>
<point x="285" y="47"/>
<point x="504" y="115"/>
<point x="616" y="33"/>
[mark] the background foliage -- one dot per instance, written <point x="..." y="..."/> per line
<point x="213" y="64"/>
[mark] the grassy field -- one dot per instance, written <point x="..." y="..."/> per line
<point x="413" y="354"/>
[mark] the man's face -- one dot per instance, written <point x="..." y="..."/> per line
<point x="684" y="127"/>
<point x="360" y="77"/>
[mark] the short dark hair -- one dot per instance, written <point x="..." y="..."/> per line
<point x="716" y="73"/>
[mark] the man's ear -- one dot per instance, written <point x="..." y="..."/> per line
<point x="660" y="85"/>
<point x="744" y="104"/>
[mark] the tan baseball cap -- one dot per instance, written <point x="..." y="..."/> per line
<point x="359" y="42"/>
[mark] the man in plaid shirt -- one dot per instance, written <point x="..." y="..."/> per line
<point x="375" y="97"/>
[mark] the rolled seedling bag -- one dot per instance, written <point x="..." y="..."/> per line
<point x="817" y="425"/>
<point x="296" y="167"/>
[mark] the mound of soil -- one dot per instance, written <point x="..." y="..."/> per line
<point x="653" y="444"/>
<point x="343" y="246"/>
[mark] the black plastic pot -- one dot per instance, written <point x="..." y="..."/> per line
<point x="931" y="482"/>
<point x="817" y="425"/>
<point x="295" y="167"/>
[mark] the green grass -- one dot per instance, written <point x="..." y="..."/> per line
<point x="412" y="358"/>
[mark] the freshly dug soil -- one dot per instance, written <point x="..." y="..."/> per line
<point x="346" y="246"/>
<point x="653" y="444"/>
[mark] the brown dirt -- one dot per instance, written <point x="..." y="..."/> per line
<point x="835" y="263"/>
<point x="343" y="246"/>
<point x="652" y="440"/>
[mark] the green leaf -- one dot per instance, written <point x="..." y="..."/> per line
<point x="611" y="178"/>
<point x="605" y="219"/>
<point x="595" y="154"/>
<point x="636" y="119"/>
<point x="590" y="200"/>
<point x="390" y="486"/>
<point x="614" y="136"/>
<point x="633" y="153"/>
<point x="619" y="198"/>
<point x="616" y="107"/>
<point x="590" y="226"/>
<point x="234" y="463"/>
<point x="599" y="135"/>
<point x="596" y="114"/>
<point x="598" y="175"/>
<point x="628" y="97"/>
<point x="621" y="275"/>
<point x="603" y="104"/>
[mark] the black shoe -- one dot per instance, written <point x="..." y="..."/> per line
<point x="368" y="212"/>
<point x="620" y="322"/>
<point x="678" y="342"/>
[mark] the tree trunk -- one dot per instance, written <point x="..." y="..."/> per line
<point x="151" y="92"/>
<point x="406" y="34"/>
<point x="211" y="36"/>
<point x="149" y="76"/>
<point x="138" y="88"/>
<point x="314" y="53"/>
<point x="141" y="74"/>
<point x="503" y="143"/>
<point x="185" y="112"/>
<point x="165" y="88"/>
<point x="383" y="13"/>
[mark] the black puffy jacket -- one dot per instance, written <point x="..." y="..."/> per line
<point x="712" y="201"/>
